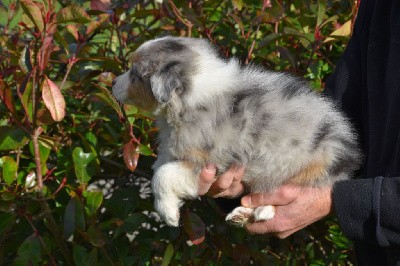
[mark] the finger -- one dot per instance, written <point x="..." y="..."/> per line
<point x="234" y="191"/>
<point x="285" y="234"/>
<point x="207" y="178"/>
<point x="229" y="183"/>
<point x="262" y="227"/>
<point x="282" y="196"/>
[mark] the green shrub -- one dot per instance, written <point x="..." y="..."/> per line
<point x="67" y="193"/>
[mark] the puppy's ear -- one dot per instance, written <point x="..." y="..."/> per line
<point x="167" y="79"/>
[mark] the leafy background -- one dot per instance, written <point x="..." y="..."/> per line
<point x="75" y="167"/>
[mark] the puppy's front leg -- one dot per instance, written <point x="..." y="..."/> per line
<point x="173" y="182"/>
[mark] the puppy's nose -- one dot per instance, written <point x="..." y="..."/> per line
<point x="114" y="82"/>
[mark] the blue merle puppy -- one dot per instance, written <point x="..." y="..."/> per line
<point x="213" y="110"/>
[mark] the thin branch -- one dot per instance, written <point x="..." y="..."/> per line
<point x="71" y="62"/>
<point x="36" y="149"/>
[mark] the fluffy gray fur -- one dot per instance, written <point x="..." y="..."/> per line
<point x="212" y="110"/>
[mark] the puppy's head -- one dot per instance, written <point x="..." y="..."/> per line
<point x="161" y="70"/>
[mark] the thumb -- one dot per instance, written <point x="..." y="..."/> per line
<point x="281" y="196"/>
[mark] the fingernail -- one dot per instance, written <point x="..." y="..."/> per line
<point x="246" y="201"/>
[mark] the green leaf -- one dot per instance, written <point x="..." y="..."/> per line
<point x="321" y="12"/>
<point x="12" y="138"/>
<point x="25" y="60"/>
<point x="43" y="150"/>
<point x="74" y="218"/>
<point x="26" y="99"/>
<point x="91" y="138"/>
<point x="7" y="196"/>
<point x="80" y="255"/>
<point x="83" y="163"/>
<point x="6" y="221"/>
<point x="131" y="224"/>
<point x="169" y="252"/>
<point x="10" y="168"/>
<point x="33" y="11"/>
<point x="94" y="200"/>
<point x="96" y="237"/>
<point x="238" y="4"/>
<point x="29" y="252"/>
<point x="106" y="97"/>
<point x="73" y="13"/>
<point x="145" y="150"/>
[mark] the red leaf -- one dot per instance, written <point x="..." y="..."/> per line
<point x="5" y="96"/>
<point x="53" y="99"/>
<point x="47" y="47"/>
<point x="102" y="5"/>
<point x="131" y="156"/>
<point x="194" y="227"/>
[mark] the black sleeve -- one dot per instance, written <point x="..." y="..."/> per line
<point x="369" y="209"/>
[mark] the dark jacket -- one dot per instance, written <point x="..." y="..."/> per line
<point x="366" y="83"/>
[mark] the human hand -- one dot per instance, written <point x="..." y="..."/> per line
<point x="295" y="208"/>
<point x="226" y="185"/>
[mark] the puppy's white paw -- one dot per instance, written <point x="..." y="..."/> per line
<point x="264" y="213"/>
<point x="242" y="215"/>
<point x="168" y="209"/>
<point x="173" y="182"/>
<point x="239" y="216"/>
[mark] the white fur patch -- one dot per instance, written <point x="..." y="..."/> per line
<point x="173" y="182"/>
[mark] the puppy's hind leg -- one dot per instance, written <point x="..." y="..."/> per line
<point x="173" y="182"/>
<point x="242" y="215"/>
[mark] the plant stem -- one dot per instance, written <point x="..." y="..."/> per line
<point x="36" y="150"/>
<point x="71" y="62"/>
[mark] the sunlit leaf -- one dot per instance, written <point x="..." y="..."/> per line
<point x="93" y="201"/>
<point x="145" y="150"/>
<point x="9" y="169"/>
<point x="30" y="180"/>
<point x="238" y="4"/>
<point x="47" y="47"/>
<point x="321" y="12"/>
<point x="343" y="31"/>
<point x="26" y="99"/>
<point x="95" y="24"/>
<point x="107" y="78"/>
<point x="73" y="13"/>
<point x="83" y="163"/>
<point x="53" y="99"/>
<point x="194" y="227"/>
<point x="106" y="97"/>
<point x="102" y="5"/>
<point x="130" y="155"/>
<point x="33" y="11"/>
<point x="25" y="60"/>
